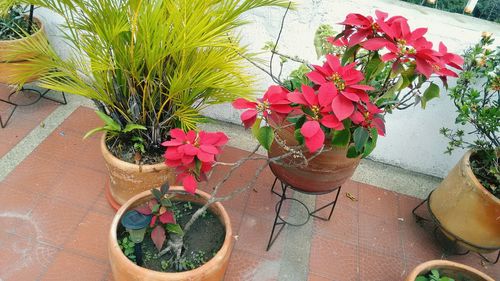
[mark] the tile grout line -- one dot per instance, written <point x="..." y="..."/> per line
<point x="26" y="146"/>
<point x="298" y="240"/>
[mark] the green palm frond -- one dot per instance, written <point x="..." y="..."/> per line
<point x="156" y="63"/>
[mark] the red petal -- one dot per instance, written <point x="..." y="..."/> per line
<point x="417" y="33"/>
<point x="297" y="97"/>
<point x="189" y="183"/>
<point x="158" y="236"/>
<point x="389" y="56"/>
<point x="178" y="134"/>
<point x="315" y="142"/>
<point x="191" y="136"/>
<point x="172" y="154"/>
<point x="309" y="95"/>
<point x="424" y="67"/>
<point x="143" y="209"/>
<point x="188" y="149"/>
<point x="310" y="128"/>
<point x="342" y="107"/>
<point x="326" y="94"/>
<point x="330" y="121"/>
<point x="362" y="87"/>
<point x="356" y="117"/>
<point x="379" y="124"/>
<point x="316" y="77"/>
<point x="243" y="104"/>
<point x="167" y="217"/>
<point x="205" y="157"/>
<point x="248" y="117"/>
<point x="374" y="44"/>
<point x="173" y="142"/>
<point x="333" y="62"/>
<point x="209" y="149"/>
<point x="352" y="96"/>
<point x="153" y="221"/>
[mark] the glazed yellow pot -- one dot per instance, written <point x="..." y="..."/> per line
<point x="465" y="209"/>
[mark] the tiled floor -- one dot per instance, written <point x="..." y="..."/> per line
<point x="24" y="119"/>
<point x="54" y="221"/>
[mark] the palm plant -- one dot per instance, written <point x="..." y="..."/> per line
<point x="150" y="66"/>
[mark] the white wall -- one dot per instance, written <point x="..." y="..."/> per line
<point x="413" y="139"/>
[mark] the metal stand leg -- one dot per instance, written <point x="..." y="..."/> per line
<point x="40" y="96"/>
<point x="486" y="260"/>
<point x="281" y="222"/>
<point x="449" y="242"/>
<point x="3" y="124"/>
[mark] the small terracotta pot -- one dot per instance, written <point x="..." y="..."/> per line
<point x="465" y="209"/>
<point x="128" y="180"/>
<point x="213" y="270"/>
<point x="449" y="269"/>
<point x="12" y="64"/>
<point x="324" y="173"/>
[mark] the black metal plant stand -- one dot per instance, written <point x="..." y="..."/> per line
<point x="455" y="241"/>
<point x="40" y="95"/>
<point x="281" y="222"/>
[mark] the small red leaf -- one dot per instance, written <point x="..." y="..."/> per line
<point x="158" y="236"/>
<point x="167" y="217"/>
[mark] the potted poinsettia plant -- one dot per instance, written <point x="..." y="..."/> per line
<point x="443" y="270"/>
<point x="188" y="235"/>
<point x="467" y="202"/>
<point x="335" y="111"/>
<point x="150" y="67"/>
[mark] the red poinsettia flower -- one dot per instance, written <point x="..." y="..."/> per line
<point x="274" y="101"/>
<point x="319" y="108"/>
<point x="369" y="117"/>
<point x="359" y="27"/>
<point x="184" y="150"/>
<point x="342" y="81"/>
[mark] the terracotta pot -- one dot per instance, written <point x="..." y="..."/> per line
<point x="449" y="269"/>
<point x="125" y="270"/>
<point x="128" y="180"/>
<point x="324" y="173"/>
<point x="465" y="209"/>
<point x="12" y="64"/>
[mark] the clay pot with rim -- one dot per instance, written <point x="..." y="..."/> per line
<point x="466" y="210"/>
<point x="324" y="173"/>
<point x="127" y="180"/>
<point x="448" y="269"/>
<point x="213" y="270"/>
<point x="13" y="64"/>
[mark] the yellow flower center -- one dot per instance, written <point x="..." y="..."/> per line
<point x="404" y="49"/>
<point x="338" y="81"/>
<point x="315" y="110"/>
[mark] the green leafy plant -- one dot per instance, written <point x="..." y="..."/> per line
<point x="14" y="23"/>
<point x="434" y="275"/>
<point x="151" y="63"/>
<point x="477" y="99"/>
<point x="127" y="246"/>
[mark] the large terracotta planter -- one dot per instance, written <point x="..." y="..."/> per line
<point x="466" y="210"/>
<point x="213" y="270"/>
<point x="128" y="180"/>
<point x="449" y="269"/>
<point x="12" y="64"/>
<point x="324" y="173"/>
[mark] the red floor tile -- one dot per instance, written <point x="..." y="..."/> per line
<point x="69" y="266"/>
<point x="245" y="266"/>
<point x="378" y="202"/>
<point x="91" y="237"/>
<point x="379" y="267"/>
<point x="314" y="277"/>
<point x="35" y="174"/>
<point x="381" y="235"/>
<point x="342" y="226"/>
<point x="23" y="259"/>
<point x="56" y="220"/>
<point x="15" y="200"/>
<point x="334" y="259"/>
<point x="254" y="236"/>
